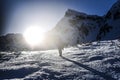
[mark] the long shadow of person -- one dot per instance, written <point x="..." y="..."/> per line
<point x="104" y="75"/>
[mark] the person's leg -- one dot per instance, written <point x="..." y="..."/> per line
<point x="60" y="52"/>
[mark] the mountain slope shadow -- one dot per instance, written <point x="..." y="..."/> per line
<point x="104" y="75"/>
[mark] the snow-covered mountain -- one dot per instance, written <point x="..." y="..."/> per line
<point x="77" y="27"/>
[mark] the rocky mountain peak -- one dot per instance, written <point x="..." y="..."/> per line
<point x="71" y="12"/>
<point x="114" y="12"/>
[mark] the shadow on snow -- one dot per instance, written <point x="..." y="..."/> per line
<point x="20" y="73"/>
<point x="104" y="75"/>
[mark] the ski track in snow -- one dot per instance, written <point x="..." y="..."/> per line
<point x="99" y="61"/>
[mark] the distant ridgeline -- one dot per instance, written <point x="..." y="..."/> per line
<point x="13" y="42"/>
<point x="74" y="28"/>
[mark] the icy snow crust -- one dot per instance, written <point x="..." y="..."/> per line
<point x="98" y="61"/>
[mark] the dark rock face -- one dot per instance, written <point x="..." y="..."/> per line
<point x="114" y="12"/>
<point x="111" y="23"/>
<point x="103" y="31"/>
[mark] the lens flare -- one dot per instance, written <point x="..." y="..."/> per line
<point x="34" y="35"/>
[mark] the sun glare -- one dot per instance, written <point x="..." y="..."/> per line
<point x="34" y="35"/>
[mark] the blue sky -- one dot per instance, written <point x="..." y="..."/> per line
<point x="21" y="14"/>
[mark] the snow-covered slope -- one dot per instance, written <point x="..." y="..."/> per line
<point x="99" y="61"/>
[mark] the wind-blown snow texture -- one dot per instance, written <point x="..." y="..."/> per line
<point x="99" y="61"/>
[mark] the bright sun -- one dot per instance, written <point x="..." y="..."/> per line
<point x="34" y="35"/>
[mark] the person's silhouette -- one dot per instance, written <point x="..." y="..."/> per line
<point x="59" y="44"/>
<point x="60" y="50"/>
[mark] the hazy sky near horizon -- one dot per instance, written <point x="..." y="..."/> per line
<point x="17" y="15"/>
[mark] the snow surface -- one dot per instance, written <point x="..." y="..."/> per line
<point x="98" y="61"/>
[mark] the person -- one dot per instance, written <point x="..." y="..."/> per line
<point x="59" y="44"/>
<point x="60" y="48"/>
